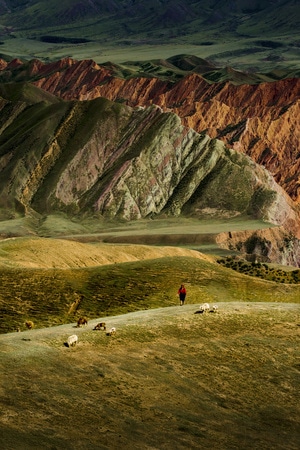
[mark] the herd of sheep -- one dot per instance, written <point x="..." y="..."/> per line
<point x="82" y="321"/>
<point x="73" y="339"/>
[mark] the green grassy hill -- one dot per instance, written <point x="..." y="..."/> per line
<point x="26" y="92"/>
<point x="55" y="295"/>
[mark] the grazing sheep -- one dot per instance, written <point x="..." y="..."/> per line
<point x="29" y="324"/>
<point x="100" y="326"/>
<point x="82" y="321"/>
<point x="204" y="307"/>
<point x="214" y="309"/>
<point x="72" y="340"/>
<point x="111" y="331"/>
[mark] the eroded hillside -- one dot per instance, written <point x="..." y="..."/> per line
<point x="258" y="119"/>
<point x="121" y="162"/>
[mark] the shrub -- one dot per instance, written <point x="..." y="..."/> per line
<point x="261" y="270"/>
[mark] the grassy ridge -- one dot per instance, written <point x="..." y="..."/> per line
<point x="52" y="297"/>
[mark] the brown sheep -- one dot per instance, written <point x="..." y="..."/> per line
<point x="100" y="326"/>
<point x="82" y="321"/>
<point x="29" y="324"/>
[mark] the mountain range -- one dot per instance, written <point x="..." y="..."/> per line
<point x="180" y="136"/>
<point x="257" y="119"/>
<point x="76" y="138"/>
<point x="246" y="34"/>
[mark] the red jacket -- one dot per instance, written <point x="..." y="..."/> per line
<point x="181" y="290"/>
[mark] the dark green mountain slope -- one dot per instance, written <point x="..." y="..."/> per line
<point x="26" y="92"/>
<point x="161" y="13"/>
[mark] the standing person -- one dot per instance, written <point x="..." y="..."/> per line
<point x="182" y="294"/>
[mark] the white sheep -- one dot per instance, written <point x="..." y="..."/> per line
<point x="72" y="340"/>
<point x="204" y="307"/>
<point x="215" y="308"/>
<point x="111" y="331"/>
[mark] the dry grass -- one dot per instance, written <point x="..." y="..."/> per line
<point x="45" y="253"/>
<point x="54" y="281"/>
<point x="169" y="378"/>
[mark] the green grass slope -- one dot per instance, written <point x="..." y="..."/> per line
<point x="55" y="296"/>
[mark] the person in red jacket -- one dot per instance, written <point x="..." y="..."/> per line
<point x="182" y="294"/>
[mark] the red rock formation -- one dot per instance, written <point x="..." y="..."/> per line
<point x="14" y="63"/>
<point x="260" y="120"/>
<point x="3" y="64"/>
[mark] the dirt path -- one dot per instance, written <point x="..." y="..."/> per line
<point x="139" y="318"/>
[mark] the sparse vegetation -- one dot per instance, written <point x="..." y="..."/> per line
<point x="168" y="377"/>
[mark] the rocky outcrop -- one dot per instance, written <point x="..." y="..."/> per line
<point x="259" y="120"/>
<point x="3" y="64"/>
<point x="266" y="245"/>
